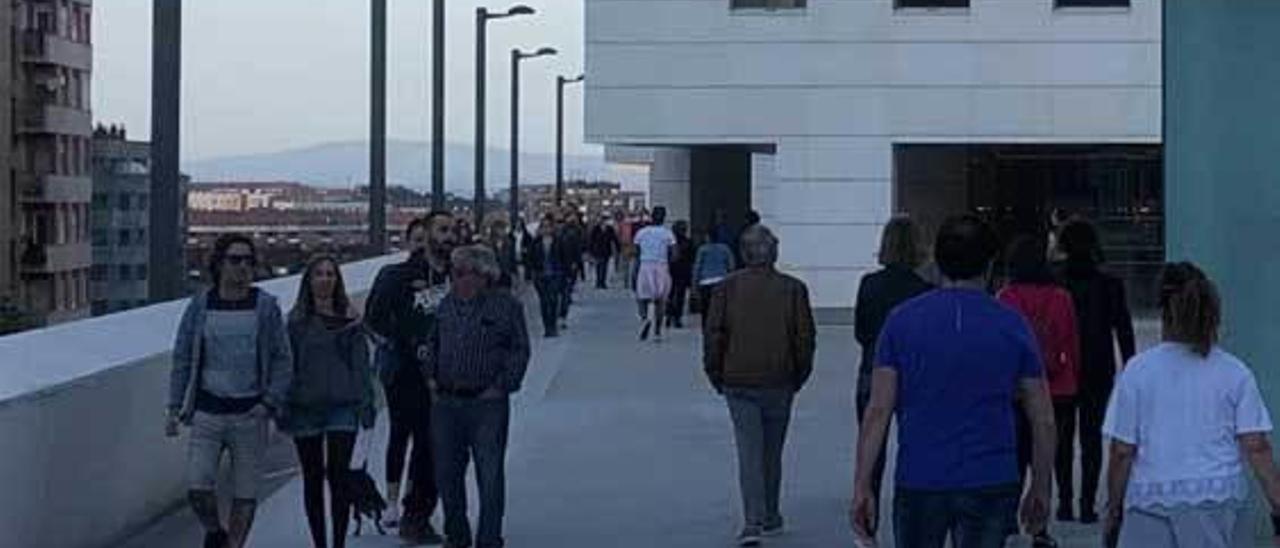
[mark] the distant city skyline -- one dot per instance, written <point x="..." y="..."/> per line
<point x="263" y="77"/>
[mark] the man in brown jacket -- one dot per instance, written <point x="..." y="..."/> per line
<point x="758" y="352"/>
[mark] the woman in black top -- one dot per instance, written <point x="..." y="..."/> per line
<point x="878" y="294"/>
<point x="1102" y="313"/>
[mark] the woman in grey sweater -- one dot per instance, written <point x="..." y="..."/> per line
<point x="331" y="396"/>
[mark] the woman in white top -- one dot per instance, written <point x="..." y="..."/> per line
<point x="1184" y="419"/>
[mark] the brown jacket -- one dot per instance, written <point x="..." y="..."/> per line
<point x="759" y="332"/>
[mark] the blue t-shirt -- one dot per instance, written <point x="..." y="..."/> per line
<point x="959" y="355"/>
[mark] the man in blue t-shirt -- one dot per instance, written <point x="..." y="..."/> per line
<point x="952" y="364"/>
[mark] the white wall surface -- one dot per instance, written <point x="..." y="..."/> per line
<point x="82" y="408"/>
<point x="835" y="85"/>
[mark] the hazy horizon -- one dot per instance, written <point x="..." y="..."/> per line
<point x="264" y="77"/>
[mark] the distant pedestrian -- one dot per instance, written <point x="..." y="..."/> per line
<point x="1102" y="314"/>
<point x="1185" y="419"/>
<point x="878" y="294"/>
<point x="504" y="246"/>
<point x="547" y="263"/>
<point x="713" y="263"/>
<point x="231" y="373"/>
<point x="681" y="268"/>
<point x="401" y="309"/>
<point x="331" y="396"/>
<point x="477" y="356"/>
<point x="624" y="265"/>
<point x="1047" y="308"/>
<point x="657" y="244"/>
<point x="950" y="364"/>
<point x="750" y="219"/>
<point x="758" y="352"/>
<point x="603" y="247"/>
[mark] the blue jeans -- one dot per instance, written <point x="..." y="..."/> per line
<point x="760" y="418"/>
<point x="550" y="298"/>
<point x="974" y="518"/>
<point x="466" y="430"/>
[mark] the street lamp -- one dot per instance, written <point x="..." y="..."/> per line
<point x="437" y="106"/>
<point x="482" y="18"/>
<point x="516" y="57"/>
<point x="561" y="82"/>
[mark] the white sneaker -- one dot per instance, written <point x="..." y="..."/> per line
<point x="750" y="536"/>
<point x="391" y="518"/>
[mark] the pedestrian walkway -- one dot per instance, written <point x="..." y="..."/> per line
<point x="623" y="444"/>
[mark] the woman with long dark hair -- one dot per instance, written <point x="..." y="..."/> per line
<point x="1104" y="322"/>
<point x="1185" y="419"/>
<point x="332" y="392"/>
<point x="878" y="294"/>
<point x="1033" y="292"/>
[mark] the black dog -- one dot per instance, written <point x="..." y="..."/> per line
<point x="366" y="502"/>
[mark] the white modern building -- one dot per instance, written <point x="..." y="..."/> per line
<point x="830" y="116"/>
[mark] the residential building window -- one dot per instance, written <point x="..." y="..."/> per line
<point x="140" y="272"/>
<point x="124" y="202"/>
<point x="124" y="271"/>
<point x="1091" y="3"/>
<point x="767" y="4"/>
<point x="932" y="3"/>
<point x="98" y="273"/>
<point x="124" y="238"/>
<point x="143" y="200"/>
<point x="100" y="238"/>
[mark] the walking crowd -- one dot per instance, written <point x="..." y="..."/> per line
<point x="993" y="369"/>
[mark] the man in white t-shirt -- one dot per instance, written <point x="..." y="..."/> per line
<point x="656" y="243"/>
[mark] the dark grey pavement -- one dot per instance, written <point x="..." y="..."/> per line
<point x="617" y="443"/>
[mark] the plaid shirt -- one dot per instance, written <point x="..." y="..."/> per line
<point x="478" y="344"/>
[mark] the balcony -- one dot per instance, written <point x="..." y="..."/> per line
<point x="37" y="118"/>
<point x="50" y="259"/>
<point x="47" y="188"/>
<point x="44" y="48"/>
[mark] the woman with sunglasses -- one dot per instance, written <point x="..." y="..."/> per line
<point x="332" y="392"/>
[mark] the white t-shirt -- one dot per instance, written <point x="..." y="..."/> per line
<point x="654" y="243"/>
<point x="1184" y="413"/>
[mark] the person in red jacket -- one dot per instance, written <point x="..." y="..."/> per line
<point x="1049" y="311"/>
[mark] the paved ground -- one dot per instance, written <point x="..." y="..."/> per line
<point x="622" y="444"/>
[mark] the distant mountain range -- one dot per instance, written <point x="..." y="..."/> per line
<point x="346" y="164"/>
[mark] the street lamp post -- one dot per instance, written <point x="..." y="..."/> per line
<point x="378" y="130"/>
<point x="516" y="57"/>
<point x="482" y="18"/>
<point x="437" y="107"/>
<point x="561" y="82"/>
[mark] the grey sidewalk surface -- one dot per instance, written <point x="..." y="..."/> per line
<point x="617" y="443"/>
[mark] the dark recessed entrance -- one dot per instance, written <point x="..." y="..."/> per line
<point x="1017" y="187"/>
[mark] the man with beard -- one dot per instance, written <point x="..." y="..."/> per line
<point x="401" y="310"/>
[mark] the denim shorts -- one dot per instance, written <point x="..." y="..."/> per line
<point x="973" y="518"/>
<point x="307" y="422"/>
<point x="243" y="437"/>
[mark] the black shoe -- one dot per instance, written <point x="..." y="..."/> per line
<point x="417" y="531"/>
<point x="216" y="539"/>
<point x="1043" y="540"/>
<point x="1088" y="516"/>
<point x="1065" y="513"/>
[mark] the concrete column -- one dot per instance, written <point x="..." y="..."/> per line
<point x="1221" y="173"/>
<point x="669" y="184"/>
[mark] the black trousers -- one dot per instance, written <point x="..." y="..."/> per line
<point x="602" y="273"/>
<point x="551" y="296"/>
<point x="316" y="468"/>
<point x="1064" y="462"/>
<point x="676" y="303"/>
<point x="409" y="407"/>
<point x="1092" y="407"/>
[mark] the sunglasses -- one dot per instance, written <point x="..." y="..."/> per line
<point x="241" y="260"/>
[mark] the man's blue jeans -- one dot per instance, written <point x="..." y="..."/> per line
<point x="466" y="429"/>
<point x="974" y="518"/>
<point x="760" y="419"/>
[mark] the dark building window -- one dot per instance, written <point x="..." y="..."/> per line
<point x="125" y="272"/>
<point x="100" y="238"/>
<point x="98" y="273"/>
<point x="932" y="3"/>
<point x="142" y="202"/>
<point x="767" y="4"/>
<point x="1092" y="3"/>
<point x="100" y="201"/>
<point x="140" y="272"/>
<point x="125" y="238"/>
<point x="125" y="203"/>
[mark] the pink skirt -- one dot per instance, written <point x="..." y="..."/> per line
<point x="653" y="282"/>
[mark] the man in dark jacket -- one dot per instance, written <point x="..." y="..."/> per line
<point x="547" y="261"/>
<point x="758" y="352"/>
<point x="603" y="244"/>
<point x="401" y="309"/>
<point x="573" y="237"/>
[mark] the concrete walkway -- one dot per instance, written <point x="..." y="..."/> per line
<point x="622" y="444"/>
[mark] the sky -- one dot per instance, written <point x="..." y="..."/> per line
<point x="269" y="75"/>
